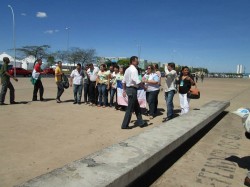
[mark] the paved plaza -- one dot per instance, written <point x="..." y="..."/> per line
<point x="37" y="137"/>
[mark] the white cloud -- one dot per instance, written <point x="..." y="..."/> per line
<point x="51" y="31"/>
<point x="41" y="14"/>
<point x="23" y="14"/>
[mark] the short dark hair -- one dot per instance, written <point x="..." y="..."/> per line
<point x="116" y="66"/>
<point x="104" y="66"/>
<point x="6" y="59"/>
<point x="172" y="65"/>
<point x="132" y="58"/>
<point x="79" y="64"/>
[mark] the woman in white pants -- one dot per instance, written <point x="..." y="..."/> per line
<point x="185" y="82"/>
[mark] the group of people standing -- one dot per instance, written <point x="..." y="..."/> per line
<point x="151" y="82"/>
<point x="97" y="84"/>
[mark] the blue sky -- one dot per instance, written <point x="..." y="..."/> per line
<point x="210" y="33"/>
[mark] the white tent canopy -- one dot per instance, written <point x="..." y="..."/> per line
<point x="18" y="62"/>
<point x="28" y="62"/>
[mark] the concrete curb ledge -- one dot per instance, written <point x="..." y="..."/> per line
<point x="122" y="163"/>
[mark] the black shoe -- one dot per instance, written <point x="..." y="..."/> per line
<point x="13" y="102"/>
<point x="58" y="101"/>
<point x="34" y="99"/>
<point x="247" y="181"/>
<point x="41" y="99"/>
<point x="79" y="103"/>
<point x="75" y="102"/>
<point x="144" y="125"/>
<point x="166" y="119"/>
<point x="3" y="104"/>
<point x="127" y="127"/>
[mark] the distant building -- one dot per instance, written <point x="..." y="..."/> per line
<point x="142" y="63"/>
<point x="240" y="69"/>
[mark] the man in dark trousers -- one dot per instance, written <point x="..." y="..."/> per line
<point x="38" y="84"/>
<point x="5" y="81"/>
<point x="130" y="84"/>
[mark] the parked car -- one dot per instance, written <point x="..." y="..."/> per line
<point x="20" y="71"/>
<point x="49" y="71"/>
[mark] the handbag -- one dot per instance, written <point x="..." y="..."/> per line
<point x="32" y="80"/>
<point x="193" y="93"/>
<point x="65" y="81"/>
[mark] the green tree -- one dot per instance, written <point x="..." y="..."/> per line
<point x="50" y="60"/>
<point x="36" y="51"/>
<point x="74" y="56"/>
<point x="61" y="55"/>
<point x="123" y="62"/>
<point x="86" y="56"/>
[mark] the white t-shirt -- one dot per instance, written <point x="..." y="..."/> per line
<point x="93" y="74"/>
<point x="77" y="77"/>
<point x="131" y="77"/>
<point x="154" y="77"/>
<point x="113" y="76"/>
<point x="170" y="80"/>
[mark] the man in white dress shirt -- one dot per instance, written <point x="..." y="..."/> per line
<point x="76" y="77"/>
<point x="130" y="84"/>
<point x="92" y="76"/>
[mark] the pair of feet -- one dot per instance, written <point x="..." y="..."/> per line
<point x="12" y="103"/>
<point x="143" y="124"/>
<point x="166" y="119"/>
<point x="75" y="102"/>
<point x="58" y="101"/>
<point x="41" y="99"/>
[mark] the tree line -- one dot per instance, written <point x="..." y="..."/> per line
<point x="73" y="55"/>
<point x="77" y="55"/>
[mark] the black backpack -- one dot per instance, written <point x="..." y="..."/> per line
<point x="65" y="81"/>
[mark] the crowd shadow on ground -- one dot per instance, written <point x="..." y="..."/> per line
<point x="243" y="162"/>
<point x="68" y="101"/>
<point x="22" y="102"/>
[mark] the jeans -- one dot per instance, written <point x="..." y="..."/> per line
<point x="152" y="99"/>
<point x="5" y="86"/>
<point x="86" y="92"/>
<point x="112" y="94"/>
<point x="169" y="96"/>
<point x="133" y="106"/>
<point x="38" y="86"/>
<point x="77" y="93"/>
<point x="103" y="92"/>
<point x="60" y="90"/>
<point x="92" y="92"/>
